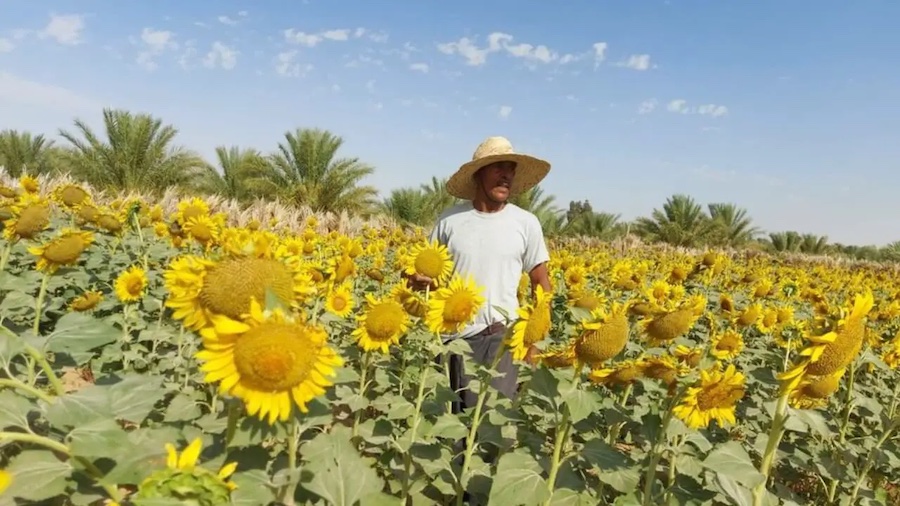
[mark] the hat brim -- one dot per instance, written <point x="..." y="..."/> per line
<point x="530" y="171"/>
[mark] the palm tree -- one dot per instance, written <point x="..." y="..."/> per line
<point x="813" y="244"/>
<point x="409" y="205"/>
<point x="308" y="172"/>
<point x="600" y="225"/>
<point x="137" y="154"/>
<point x="437" y="198"/>
<point x="21" y="152"/>
<point x="785" y="242"/>
<point x="680" y="222"/>
<point x="732" y="225"/>
<point x="244" y="173"/>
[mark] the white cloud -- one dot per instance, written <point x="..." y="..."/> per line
<point x="22" y="91"/>
<point x="647" y="106"/>
<point x="222" y="56"/>
<point x="370" y="86"/>
<point x="637" y="62"/>
<point x="286" y="65"/>
<point x="336" y="88"/>
<point x="189" y="52"/>
<point x="6" y="45"/>
<point x="154" y="42"/>
<point x="500" y="42"/>
<point x="419" y="67"/>
<point x="599" y="53"/>
<point x="66" y="29"/>
<point x="680" y="106"/>
<point x="712" y="110"/>
<point x="243" y="14"/>
<point x="504" y="111"/>
<point x="225" y="20"/>
<point x="338" y="35"/>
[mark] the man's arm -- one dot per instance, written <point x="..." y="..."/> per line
<point x="540" y="275"/>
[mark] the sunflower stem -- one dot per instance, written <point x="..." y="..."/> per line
<point x="473" y="430"/>
<point x="364" y="370"/>
<point x="287" y="493"/>
<point x="58" y="447"/>
<point x="656" y="455"/>
<point x="34" y="392"/>
<point x="563" y="430"/>
<point x="407" y="458"/>
<point x="4" y="257"/>
<point x="39" y="304"/>
<point x="848" y="408"/>
<point x="234" y="414"/>
<point x="768" y="458"/>
<point x="870" y="459"/>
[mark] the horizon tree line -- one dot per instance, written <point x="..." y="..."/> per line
<point x="138" y="152"/>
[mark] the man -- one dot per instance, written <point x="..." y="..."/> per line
<point x="495" y="241"/>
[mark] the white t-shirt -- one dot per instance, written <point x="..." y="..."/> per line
<point x="495" y="248"/>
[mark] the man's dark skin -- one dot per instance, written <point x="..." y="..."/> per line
<point x="494" y="181"/>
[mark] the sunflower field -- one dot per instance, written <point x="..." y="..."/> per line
<point x="170" y="353"/>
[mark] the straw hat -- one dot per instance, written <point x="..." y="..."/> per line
<point x="529" y="170"/>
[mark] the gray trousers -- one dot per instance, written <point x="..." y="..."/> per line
<point x="484" y="348"/>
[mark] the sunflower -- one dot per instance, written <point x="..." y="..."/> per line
<point x="6" y="479"/>
<point x="30" y="184"/>
<point x="603" y="336"/>
<point x="666" y="326"/>
<point x="688" y="356"/>
<point x="65" y="249"/>
<point x="622" y="373"/>
<point x="130" y="284"/>
<point x="202" y="289"/>
<point x="268" y="360"/>
<point x="814" y="391"/>
<point x="665" y="368"/>
<point x="340" y="301"/>
<point x="340" y="268"/>
<point x="714" y="397"/>
<point x="383" y="323"/>
<point x="412" y="302"/>
<point x="430" y="259"/>
<point x="86" y="301"/>
<point x="202" y="229"/>
<point x="32" y="216"/>
<point x="558" y="357"/>
<point x="452" y="307"/>
<point x="532" y="326"/>
<point x="190" y="208"/>
<point x="833" y="350"/>
<point x="184" y="480"/>
<point x="71" y="195"/>
<point x="727" y="345"/>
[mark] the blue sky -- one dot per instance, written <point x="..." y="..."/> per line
<point x="790" y="109"/>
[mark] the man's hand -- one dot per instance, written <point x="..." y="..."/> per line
<point x="420" y="282"/>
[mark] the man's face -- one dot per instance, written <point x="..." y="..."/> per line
<point x="496" y="180"/>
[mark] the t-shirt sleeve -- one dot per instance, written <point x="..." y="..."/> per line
<point x="535" y="247"/>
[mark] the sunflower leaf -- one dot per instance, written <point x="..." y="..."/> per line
<point x="77" y="333"/>
<point x="518" y="481"/>
<point x="340" y="475"/>
<point x="38" y="475"/>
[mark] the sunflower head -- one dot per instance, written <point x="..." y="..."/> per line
<point x="382" y="324"/>
<point x="183" y="480"/>
<point x="340" y="300"/>
<point x="63" y="250"/>
<point x="532" y="326"/>
<point x="71" y="195"/>
<point x="271" y="360"/>
<point x="430" y="259"/>
<point x="603" y="336"/>
<point x="131" y="284"/>
<point x="86" y="301"/>
<point x="452" y="307"/>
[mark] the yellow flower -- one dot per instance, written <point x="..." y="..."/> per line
<point x="835" y="349"/>
<point x="71" y="195"/>
<point x="432" y="260"/>
<point x="532" y="326"/>
<point x="666" y="326"/>
<point x="411" y="301"/>
<point x="603" y="336"/>
<point x="86" y="301"/>
<point x="271" y="361"/>
<point x="6" y="479"/>
<point x="130" y="285"/>
<point x="727" y="345"/>
<point x="382" y="324"/>
<point x="340" y="300"/>
<point x="203" y="230"/>
<point x="64" y="250"/>
<point x="623" y="373"/>
<point x="32" y="216"/>
<point x="190" y="208"/>
<point x="453" y="306"/>
<point x="201" y="289"/>
<point x="184" y="480"/>
<point x="814" y="391"/>
<point x="713" y="398"/>
<point x="29" y="184"/>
